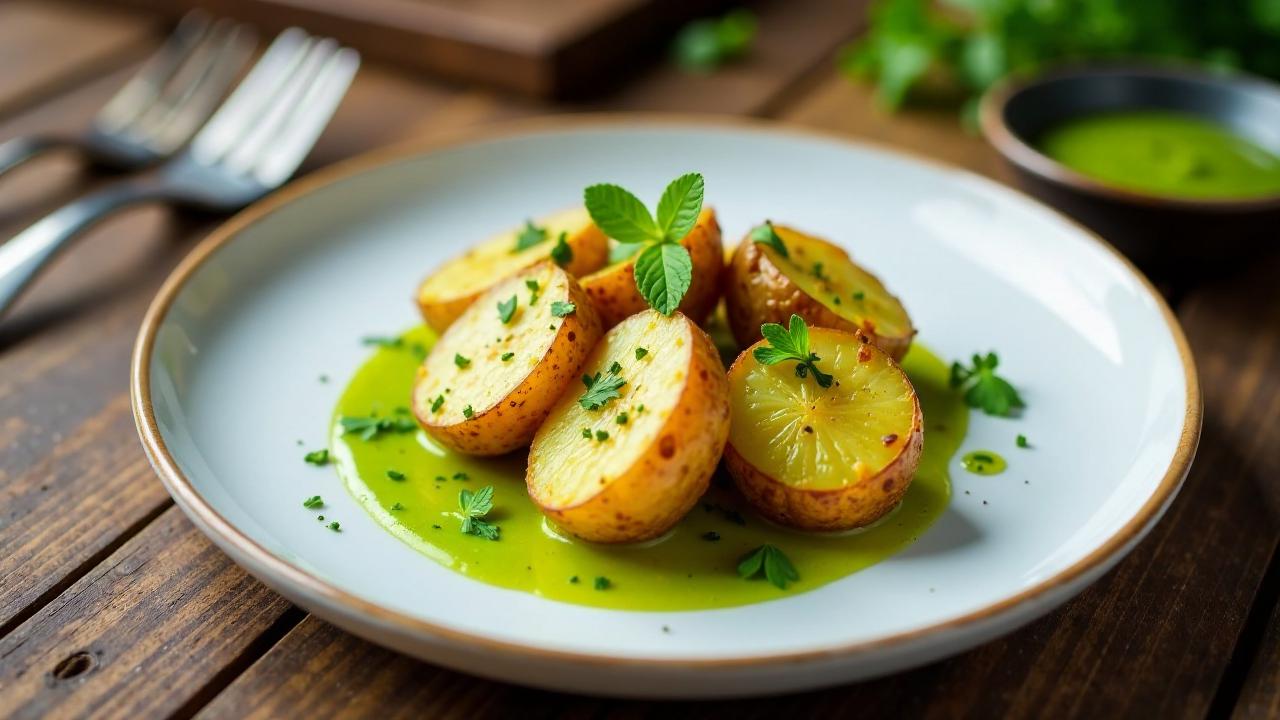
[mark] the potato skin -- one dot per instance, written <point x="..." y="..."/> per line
<point x="758" y="292"/>
<point x="613" y="289"/>
<point x="511" y="423"/>
<point x="825" y="510"/>
<point x="590" y="252"/>
<point x="665" y="484"/>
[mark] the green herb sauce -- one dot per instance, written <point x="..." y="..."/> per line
<point x="692" y="567"/>
<point x="984" y="462"/>
<point x="1166" y="153"/>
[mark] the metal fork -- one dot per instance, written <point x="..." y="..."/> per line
<point x="251" y="145"/>
<point x="161" y="106"/>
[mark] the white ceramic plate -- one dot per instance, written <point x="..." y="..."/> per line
<point x="225" y="384"/>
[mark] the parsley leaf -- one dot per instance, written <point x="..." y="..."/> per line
<point x="474" y="506"/>
<point x="775" y="565"/>
<point x="561" y="253"/>
<point x="984" y="389"/>
<point x="317" y="457"/>
<point x="531" y="235"/>
<point x="506" y="356"/>
<point x="461" y="361"/>
<point x="766" y="235"/>
<point x="1022" y="442"/>
<point x="395" y="475"/>
<point x="467" y="412"/>
<point x="370" y="427"/>
<point x="792" y="344"/>
<point x="602" y="583"/>
<point x="560" y="308"/>
<point x="507" y="309"/>
<point x="664" y="273"/>
<point x="437" y="403"/>
<point x="312" y="503"/>
<point x="641" y="352"/>
<point x="601" y="390"/>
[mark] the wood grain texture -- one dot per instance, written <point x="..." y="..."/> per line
<point x="545" y="49"/>
<point x="141" y="635"/>
<point x="48" y="46"/>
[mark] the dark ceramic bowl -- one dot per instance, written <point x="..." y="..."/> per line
<point x="1155" y="230"/>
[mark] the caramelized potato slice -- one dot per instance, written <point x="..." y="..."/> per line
<point x="630" y="469"/>
<point x="613" y="289"/>
<point x="488" y="384"/>
<point x="817" y="281"/>
<point x="819" y="458"/>
<point x="456" y="284"/>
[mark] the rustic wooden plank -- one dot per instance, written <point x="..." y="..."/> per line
<point x="1167" y="617"/>
<point x="795" y="38"/>
<point x="46" y="47"/>
<point x="136" y="622"/>
<point x="74" y="484"/>
<point x="552" y="48"/>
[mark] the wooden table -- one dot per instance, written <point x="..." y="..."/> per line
<point x="112" y="604"/>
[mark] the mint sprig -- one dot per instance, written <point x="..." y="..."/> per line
<point x="474" y="506"/>
<point x="791" y="344"/>
<point x="663" y="268"/>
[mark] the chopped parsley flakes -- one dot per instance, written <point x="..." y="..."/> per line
<point x="317" y="457"/>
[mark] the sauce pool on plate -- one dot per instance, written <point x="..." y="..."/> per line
<point x="692" y="567"/>
<point x="1164" y="153"/>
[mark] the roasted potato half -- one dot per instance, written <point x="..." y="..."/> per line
<point x="817" y="458"/>
<point x="629" y="469"/>
<point x="613" y="289"/>
<point x="456" y="284"/>
<point x="817" y="281"/>
<point x="493" y="376"/>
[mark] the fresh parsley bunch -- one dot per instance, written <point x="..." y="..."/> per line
<point x="971" y="44"/>
<point x="663" y="268"/>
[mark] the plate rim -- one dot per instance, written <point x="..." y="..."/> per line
<point x="284" y="572"/>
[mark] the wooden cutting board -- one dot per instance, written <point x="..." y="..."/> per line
<point x="541" y="48"/>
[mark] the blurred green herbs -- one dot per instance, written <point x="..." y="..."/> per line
<point x="704" y="45"/>
<point x="966" y="45"/>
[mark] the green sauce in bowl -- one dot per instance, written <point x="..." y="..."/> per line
<point x="1164" y="153"/>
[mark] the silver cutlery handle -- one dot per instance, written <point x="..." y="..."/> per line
<point x="23" y="256"/>
<point x="15" y="151"/>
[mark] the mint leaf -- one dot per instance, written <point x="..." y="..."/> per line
<point x="663" y="275"/>
<point x="624" y="251"/>
<point x="680" y="206"/>
<point x="474" y="506"/>
<point x="620" y="214"/>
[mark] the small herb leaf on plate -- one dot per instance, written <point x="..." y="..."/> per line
<point x="559" y="308"/>
<point x="791" y="344"/>
<point x="561" y="253"/>
<point x="531" y="235"/>
<point x="983" y="389"/>
<point x="317" y="457"/>
<point x="766" y="235"/>
<point x="507" y="309"/>
<point x="474" y="506"/>
<point x="770" y="560"/>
